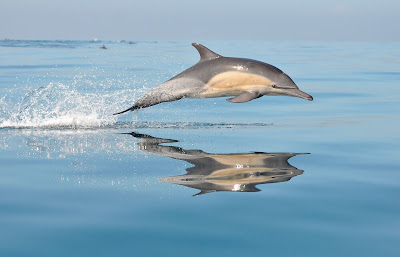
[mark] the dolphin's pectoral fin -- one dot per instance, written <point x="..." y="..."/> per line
<point x="244" y="97"/>
<point x="202" y="192"/>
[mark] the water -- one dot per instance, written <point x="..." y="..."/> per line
<point x="277" y="176"/>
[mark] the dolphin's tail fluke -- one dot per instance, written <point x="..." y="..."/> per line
<point x="142" y="103"/>
<point x="127" y="110"/>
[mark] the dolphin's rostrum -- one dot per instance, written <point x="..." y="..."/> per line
<point x="218" y="76"/>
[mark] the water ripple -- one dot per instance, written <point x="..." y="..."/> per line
<point x="131" y="125"/>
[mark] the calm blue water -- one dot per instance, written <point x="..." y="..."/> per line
<point x="75" y="180"/>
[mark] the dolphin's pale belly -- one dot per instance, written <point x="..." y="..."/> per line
<point x="249" y="159"/>
<point x="233" y="83"/>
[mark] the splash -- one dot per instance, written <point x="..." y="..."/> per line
<point x="59" y="105"/>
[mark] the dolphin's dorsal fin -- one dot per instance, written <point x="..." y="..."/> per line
<point x="205" y="53"/>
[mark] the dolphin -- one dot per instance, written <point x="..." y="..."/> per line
<point x="218" y="76"/>
<point x="212" y="172"/>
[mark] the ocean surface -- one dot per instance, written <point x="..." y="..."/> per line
<point x="277" y="176"/>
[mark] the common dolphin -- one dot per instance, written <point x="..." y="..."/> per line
<point x="218" y="76"/>
<point x="238" y="172"/>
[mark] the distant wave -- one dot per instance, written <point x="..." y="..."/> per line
<point x="44" y="43"/>
<point x="65" y="43"/>
<point x="41" y="66"/>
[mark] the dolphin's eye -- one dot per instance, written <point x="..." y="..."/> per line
<point x="274" y="86"/>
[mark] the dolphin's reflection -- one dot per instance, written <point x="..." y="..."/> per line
<point x="222" y="172"/>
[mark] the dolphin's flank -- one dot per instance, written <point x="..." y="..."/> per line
<point x="216" y="76"/>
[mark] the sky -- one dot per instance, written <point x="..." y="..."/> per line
<point x="325" y="20"/>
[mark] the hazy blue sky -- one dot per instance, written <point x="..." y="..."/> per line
<point x="207" y="19"/>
